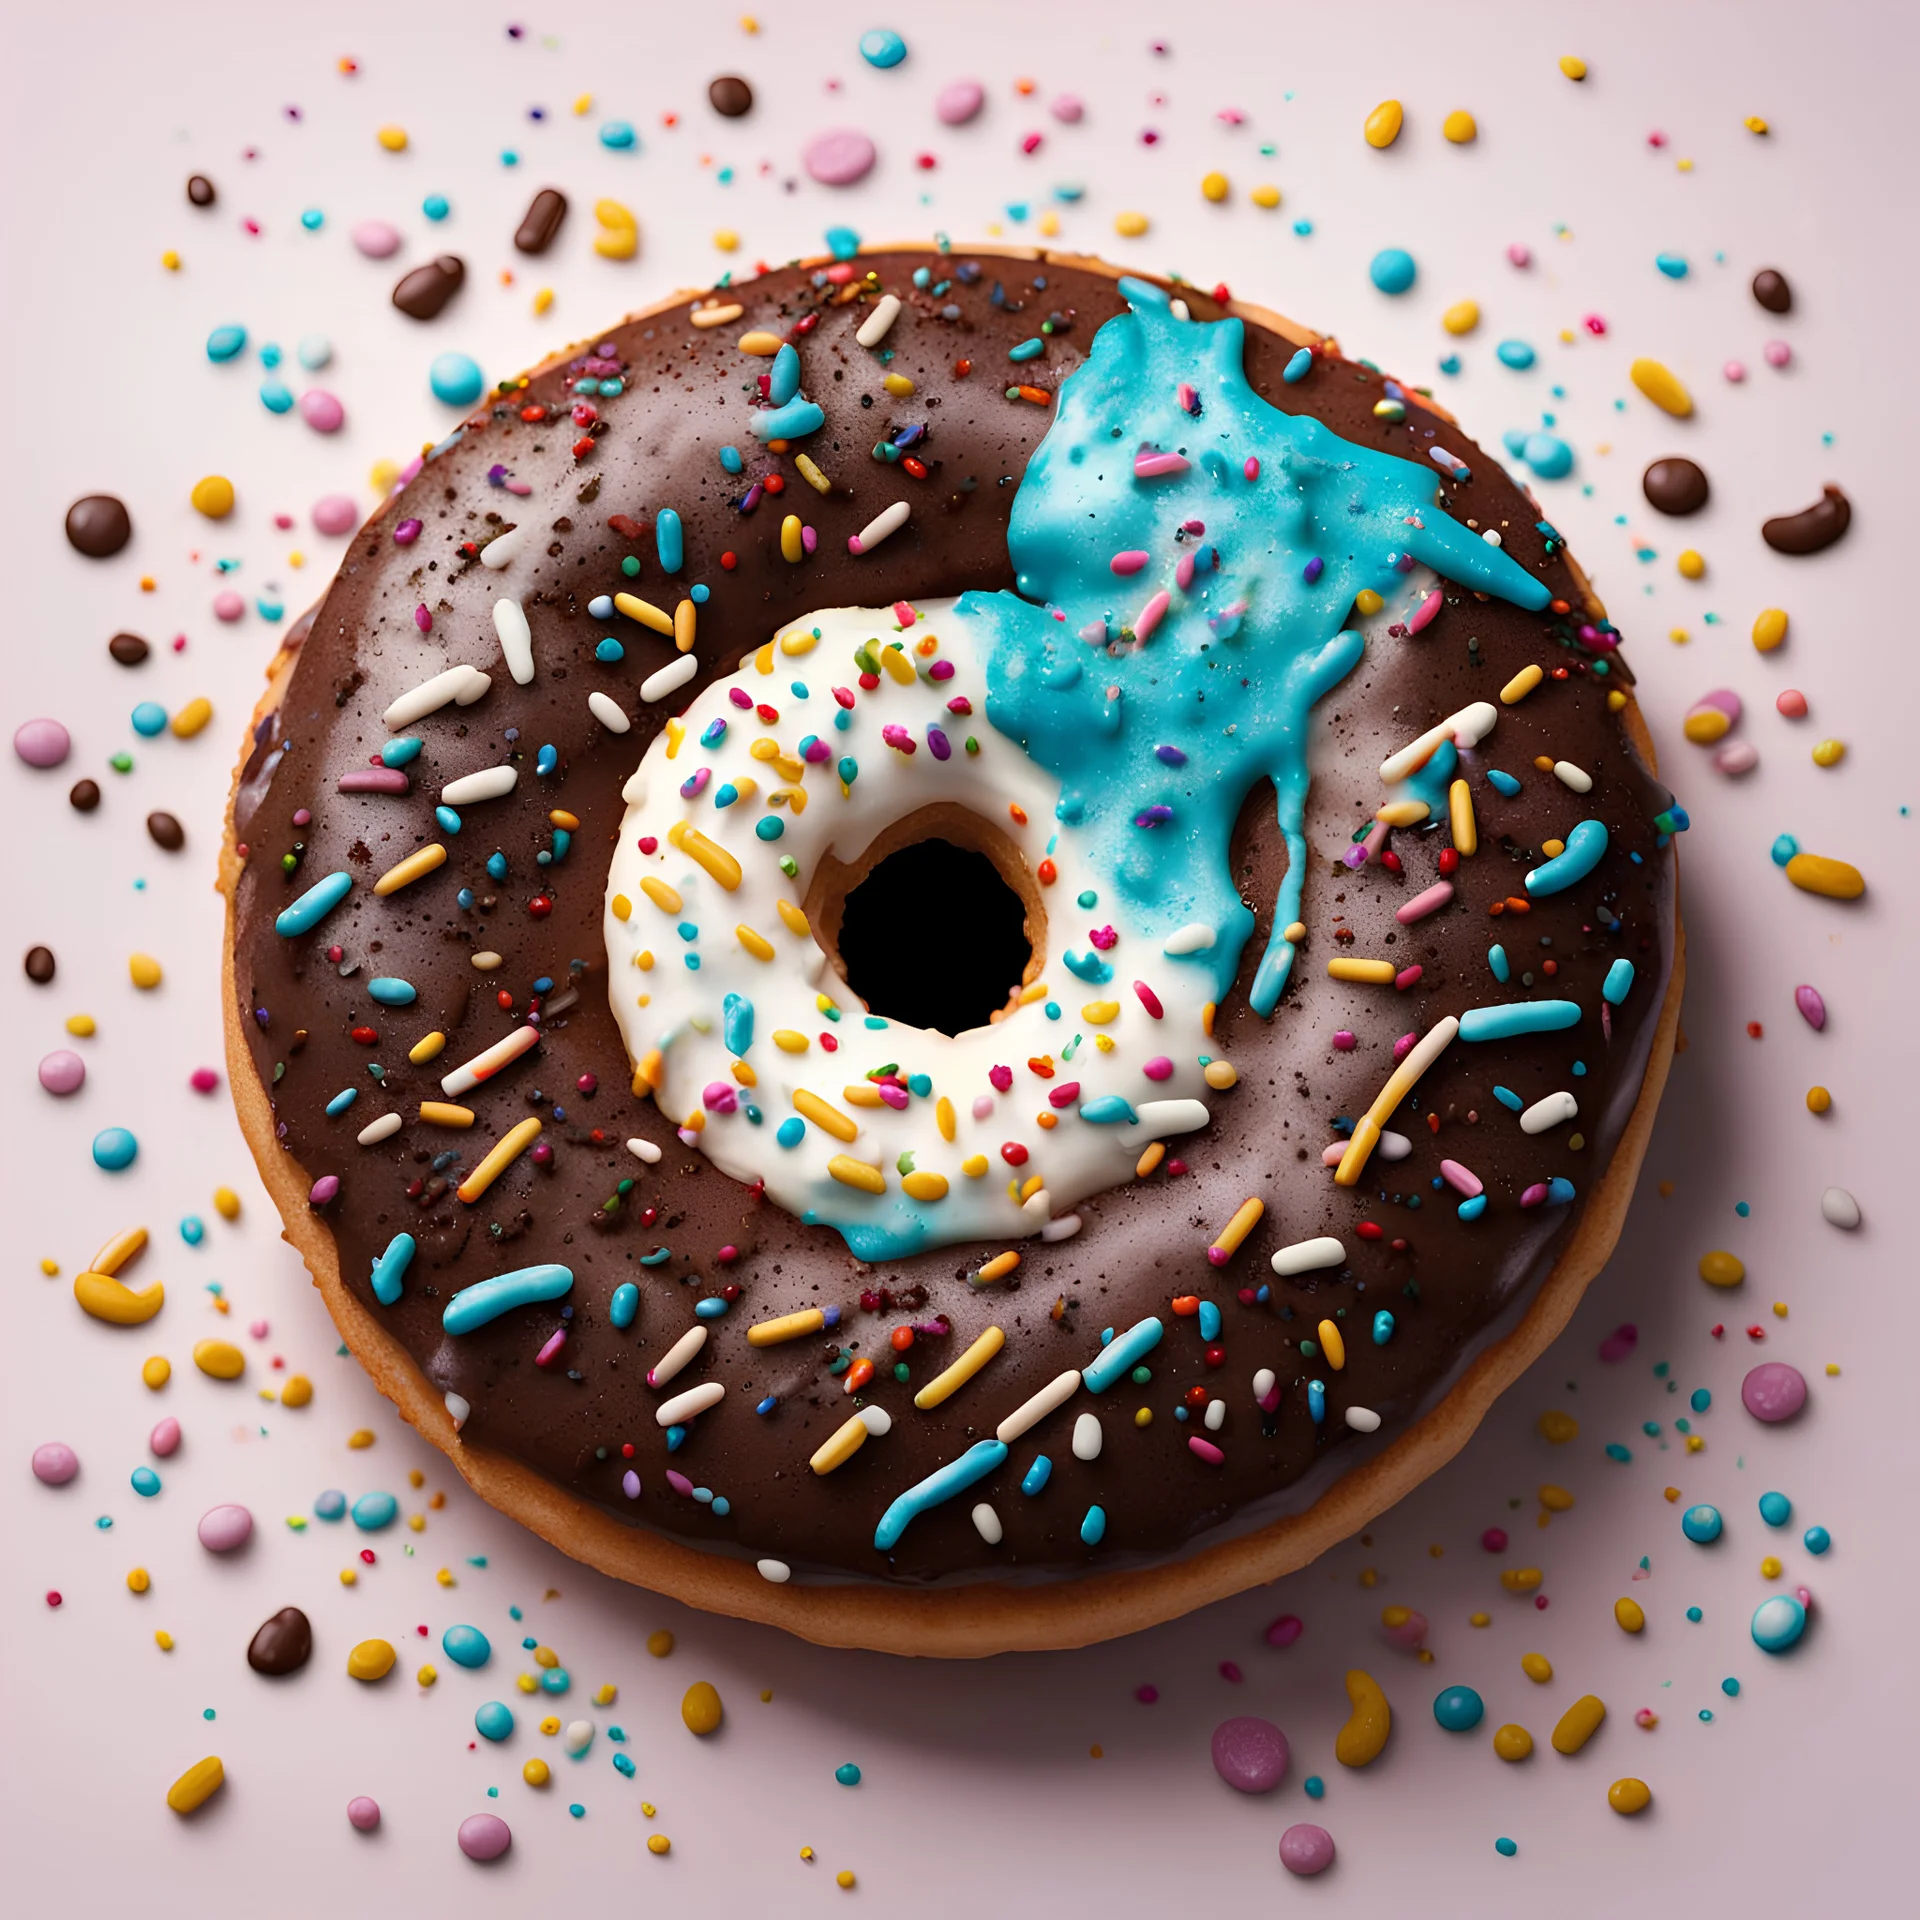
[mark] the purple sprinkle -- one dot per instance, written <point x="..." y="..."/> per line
<point x="942" y="749"/>
<point x="423" y="618"/>
<point x="376" y="780"/>
<point x="1146" y="1694"/>
<point x="1619" y="1343"/>
<point x="1355" y="857"/>
<point x="680" y="1484"/>
<point x="1812" y="1007"/>
<point x="1535" y="1195"/>
<point x="750" y="499"/>
<point x="406" y="533"/>
<point x="1404" y="1046"/>
<point x="326" y="1188"/>
<point x="1153" y="817"/>
<point x="1286" y="1630"/>
<point x="630" y="1484"/>
<point x="740" y="696"/>
<point x="548" y="1353"/>
<point x="1170" y="756"/>
<point x="1313" y="570"/>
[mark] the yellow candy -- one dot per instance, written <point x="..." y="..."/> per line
<point x="1462" y="317"/>
<point x="617" y="243"/>
<point x="213" y="496"/>
<point x="298" y="1391"/>
<point x="1558" y="1428"/>
<point x="163" y="1640"/>
<point x="139" y="1580"/>
<point x="1512" y="1742"/>
<point x="700" y="1708"/>
<point x="536" y="1773"/>
<point x="1265" y="196"/>
<point x="1384" y="124"/>
<point x="1521" y="1579"/>
<point x="1220" y="1075"/>
<point x="1754" y="124"/>
<point x="1719" y="1269"/>
<point x="192" y="717"/>
<point x="156" y="1370"/>
<point x="82" y="1025"/>
<point x="144" y="971"/>
<point x="1366" y="601"/>
<point x="394" y="139"/>
<point x="197" y="1785"/>
<point x="226" y="1203"/>
<point x="1769" y="629"/>
<point x="1704" y="725"/>
<point x="371" y="1660"/>
<point x="844" y="1878"/>
<point x="1662" y="387"/>
<point x="1829" y="753"/>
<point x="727" y="240"/>
<point x="1130" y="226"/>
<point x="1812" y="873"/>
<point x="1629" y="1615"/>
<point x="1573" y="66"/>
<point x="1459" y="126"/>
<point x="766" y="345"/>
<point x="219" y="1359"/>
<point x="1537" y="1667"/>
<point x="659" y="1843"/>
<point x="1556" y="1499"/>
<point x="1692" y="565"/>
<point x="1214" y="187"/>
<point x="1359" y="1742"/>
<point x="1819" y="1100"/>
<point x="1629" y="1795"/>
<point x="925" y="1186"/>
<point x="1579" y="1723"/>
<point x="106" y="1298"/>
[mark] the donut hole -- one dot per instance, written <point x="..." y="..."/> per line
<point x="938" y="925"/>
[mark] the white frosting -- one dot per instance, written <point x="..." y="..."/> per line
<point x="664" y="1005"/>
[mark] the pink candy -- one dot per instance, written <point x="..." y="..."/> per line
<point x="1778" y="353"/>
<point x="55" y="1463"/>
<point x="1306" y="1849"/>
<point x="165" y="1437"/>
<point x="1069" y="109"/>
<point x="840" y="157"/>
<point x="63" y="1073"/>
<point x="376" y="238"/>
<point x="1792" y="704"/>
<point x="228" y="606"/>
<point x="322" y="411"/>
<point x="1737" y="757"/>
<point x="485" y="1836"/>
<point x="1813" y="1009"/>
<point x="958" y="101"/>
<point x="1773" y="1392"/>
<point x="335" y="513"/>
<point x="1286" y="1630"/>
<point x="222" y="1529"/>
<point x="363" y="1813"/>
<point x="42" y="743"/>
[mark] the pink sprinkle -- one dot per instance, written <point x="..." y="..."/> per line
<point x="165" y="1437"/>
<point x="1064" y="1095"/>
<point x="1344" y="1041"/>
<point x="1792" y="704"/>
<point x="258" y="1329"/>
<point x="322" y="410"/>
<point x="1519" y="255"/>
<point x="1149" y="999"/>
<point x="1778" y="353"/>
<point x="1067" y="108"/>
<point x="718" y="1097"/>
<point x="680" y="1484"/>
<point x="1250" y="466"/>
<point x="982" y="1105"/>
<point x="904" y="613"/>
<point x="423" y="618"/>
<point x="1594" y="324"/>
<point x="1104" y="938"/>
<point x="1130" y="561"/>
<point x="1812" y="1007"/>
<point x="406" y="533"/>
<point x="228" y="605"/>
<point x="1158" y="1068"/>
<point x="1286" y="1630"/>
<point x="1404" y="1046"/>
<point x="648" y="843"/>
<point x="1423" y="614"/>
<point x="1002" y="1077"/>
<point x="1206" y="1450"/>
<point x="1230" y="1670"/>
<point x="1430" y="901"/>
<point x="1406" y="978"/>
<point x="1189" y="400"/>
<point x="727" y="1255"/>
<point x="203" y="1080"/>
<point x="1147" y="1694"/>
<point x="1494" y="1539"/>
<point x="1151" y="615"/>
<point x="1461" y="1179"/>
<point x="1150" y="465"/>
<point x="1733" y="372"/>
<point x="1183" y="572"/>
<point x="1030" y="143"/>
<point x="896" y="1097"/>
<point x="333" y="513"/>
<point x="1619" y="1343"/>
<point x="326" y="1188"/>
<point x="551" y="1351"/>
<point x="1535" y="1195"/>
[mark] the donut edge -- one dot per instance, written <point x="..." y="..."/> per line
<point x="977" y="1620"/>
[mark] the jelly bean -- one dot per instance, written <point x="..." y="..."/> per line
<point x="1383" y="124"/>
<point x="1720" y="1269"/>
<point x="114" y="1151"/>
<point x="1629" y="1615"/>
<point x="149" y="718"/>
<point x="371" y="1660"/>
<point x="1286" y="1630"/>
<point x="1778" y="1622"/>
<point x="223" y="1529"/>
<point x="42" y="743"/>
<point x="197" y="1785"/>
<point x="1838" y="1208"/>
<point x="700" y="1708"/>
<point x="1548" y="455"/>
<point x="484" y="1836"/>
<point x="330" y="1505"/>
<point x="1537" y="1667"/>
<point x="1834" y="879"/>
<point x="55" y="1463"/>
<point x="839" y="157"/>
<point x="165" y="1437"/>
<point x="1775" y="1509"/>
<point x="1506" y="1848"/>
<point x="63" y="1072"/>
<point x="494" y="1721"/>
<point x="1249" y="1754"/>
<point x="1702" y="1524"/>
<point x="1306" y="1849"/>
<point x="1515" y="354"/>
<point x="1392" y="270"/>
<point x="958" y="102"/>
<point x="466" y="1646"/>
<point x="1460" y="127"/>
<point x="1579" y="1723"/>
<point x="1711" y="717"/>
<point x="372" y="1511"/>
<point x="1662" y="387"/>
<point x="456" y="378"/>
<point x="377" y="239"/>
<point x="225" y="343"/>
<point x="847" y="1774"/>
<point x="1365" y="1733"/>
<point x="145" y="1482"/>
<point x="1774" y="1391"/>
<point x="1459" y="1709"/>
<point x="1629" y="1796"/>
<point x="363" y="1813"/>
<point x="1769" y="629"/>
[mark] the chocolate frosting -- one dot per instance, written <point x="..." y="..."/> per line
<point x="588" y="476"/>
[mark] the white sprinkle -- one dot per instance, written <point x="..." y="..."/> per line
<point x="877" y="1421"/>
<point x="1056" y="1393"/>
<point x="1554" y="1110"/>
<point x="457" y="1411"/>
<point x="879" y="323"/>
<point x="1467" y="728"/>
<point x="516" y="639"/>
<point x="462" y="685"/>
<point x="604" y="709"/>
<point x="1363" y="1420"/>
<point x="1064" y="1228"/>
<point x="1576" y="779"/>
<point x="775" y="1570"/>
<point x="1264" y="1383"/>
<point x="485" y="1064"/>
<point x="1180" y="310"/>
<point x="490" y="783"/>
<point x="716" y="316"/>
<point x="578" y="1736"/>
<point x="503" y="548"/>
<point x="1157" y="1118"/>
<point x="644" y="1150"/>
<point x="1196" y="937"/>
<point x="1309" y="1256"/>
<point x="1391" y="1146"/>
<point x="879" y="527"/>
<point x="986" y="1522"/>
<point x="1087" y="1436"/>
<point x="676" y="673"/>
<point x="677" y="1356"/>
<point x="382" y="1129"/>
<point x="1216" y="1415"/>
<point x="684" y="1406"/>
<point x="1840" y="1209"/>
<point x="1492" y="537"/>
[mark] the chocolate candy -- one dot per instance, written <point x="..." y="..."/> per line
<point x="40" y="965"/>
<point x="1817" y="526"/>
<point x="731" y="96"/>
<point x="541" y="221"/>
<point x="166" y="832"/>
<point x="421" y="294"/>
<point x="128" y="648"/>
<point x="200" y="190"/>
<point x="98" y="525"/>
<point x="84" y="795"/>
<point x="1771" y="290"/>
<point x="283" y="1644"/>
<point x="1675" y="485"/>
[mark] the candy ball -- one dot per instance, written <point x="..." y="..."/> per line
<point x="494" y="1721"/>
<point x="377" y="239"/>
<point x="882" y="48"/>
<point x="335" y="513"/>
<point x="1774" y="1391"/>
<point x="1458" y="1709"/>
<point x="1249" y="1754"/>
<point x="958" y="101"/>
<point x="1392" y="270"/>
<point x="165" y="1437"/>
<point x="363" y="1814"/>
<point x="1306" y="1850"/>
<point x="1778" y="1622"/>
<point x="840" y="157"/>
<point x="114" y="1149"/>
<point x="213" y="496"/>
<point x="485" y="1836"/>
<point x="1701" y="1524"/>
<point x="63" y="1072"/>
<point x="55" y="1463"/>
<point x="456" y="378"/>
<point x="466" y="1646"/>
<point x="42" y="743"/>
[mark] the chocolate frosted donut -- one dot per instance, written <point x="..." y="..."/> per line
<point x="922" y="591"/>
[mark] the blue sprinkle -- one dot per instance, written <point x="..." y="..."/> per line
<point x="1508" y="1099"/>
<point x="1518" y="1017"/>
<point x="1093" y="1529"/>
<point x="391" y="1267"/>
<point x="783" y="378"/>
<point x="149" y="718"/>
<point x="711" y="1308"/>
<point x="1700" y="1400"/>
<point x="1506" y="1848"/>
<point x="1618" y="983"/>
<point x="393" y="993"/>
<point x="402" y="752"/>
<point x="1548" y="455"/>
<point x="1503" y="782"/>
<point x="1816" y="1540"/>
<point x="146" y="1483"/>
<point x="314" y="905"/>
<point x="1673" y="265"/>
<point x="341" y="1101"/>
<point x="1515" y="354"/>
<point x="615" y="134"/>
<point x="1616" y="1452"/>
<point x="114" y="1149"/>
<point x="1702" y="1524"/>
<point x="276" y="396"/>
<point x="1382" y="1327"/>
<point x="487" y="1300"/>
<point x="791" y="1132"/>
<point x="609" y="650"/>
<point x="1107" y="1111"/>
<point x="1209" y="1321"/>
<point x="1027" y="350"/>
<point x="843" y="243"/>
<point x="625" y="1305"/>
<point x="882" y="48"/>
<point x="669" y="542"/>
<point x="730" y="460"/>
<point x="224" y="343"/>
<point x="1317" y="1401"/>
<point x="1783" y="849"/>
<point x="1471" y="1209"/>
<point x="193" y="1229"/>
<point x="1298" y="367"/>
<point x="1775" y="1509"/>
<point x="466" y="1646"/>
<point x="436" y="207"/>
<point x="1497" y="962"/>
<point x="494" y="1721"/>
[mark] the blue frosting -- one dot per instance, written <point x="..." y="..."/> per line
<point x="1294" y="522"/>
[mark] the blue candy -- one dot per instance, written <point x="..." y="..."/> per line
<point x="456" y="378"/>
<point x="466" y="1647"/>
<point x="372" y="1511"/>
<point x="1392" y="270"/>
<point x="1702" y="1524"/>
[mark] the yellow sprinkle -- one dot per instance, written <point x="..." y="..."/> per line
<point x="543" y="300"/>
<point x="997" y="1268"/>
<point x="721" y="316"/>
<point x="620" y="907"/>
<point x="1372" y="973"/>
<point x="298" y="1392"/>
<point x="943" y="1117"/>
<point x="1513" y="1742"/>
<point x="1459" y="126"/>
<point x="219" y="1359"/>
<point x="756" y="944"/>
<point x="1692" y="565"/>
<point x="1579" y="1723"/>
<point x="197" y="1785"/>
<point x="444" y="1113"/>
<point x="1573" y="66"/>
<point x="706" y="854"/>
<point x="139" y="1580"/>
<point x="727" y="240"/>
<point x="616" y="243"/>
<point x="684" y="622"/>
<point x="81" y="1025"/>
<point x="371" y="1660"/>
<point x="1629" y="1796"/>
<point x="1836" y="879"/>
<point x="213" y="496"/>
<point x="1819" y="1100"/>
<point x="666" y="898"/>
<point x="974" y="1165"/>
<point x="1213" y="186"/>
<point x="394" y="139"/>
<point x="857" y="1173"/>
<point x="1706" y="726"/>
<point x="427" y="1676"/>
<point x="1630" y="1615"/>
<point x="839" y="1446"/>
<point x="1662" y="387"/>
<point x="943" y="1386"/>
<point x="1679" y="636"/>
<point x="1552" y="849"/>
<point x="659" y="1843"/>
<point x="360" y="1439"/>
<point x="1537" y="1667"/>
<point x="1521" y="1579"/>
<point x="1462" y="317"/>
<point x="428" y="1049"/>
<point x="819" y="482"/>
<point x="1265" y="196"/>
<point x="1829" y="753"/>
<point x="1719" y="1269"/>
<point x="155" y="1371"/>
<point x="1332" y="1345"/>
<point x="1556" y="1499"/>
<point x="546" y="1657"/>
<point x="1402" y="813"/>
<point x="163" y="1640"/>
<point x="656" y="619"/>
<point x="1754" y="124"/>
<point x="144" y="971"/>
<point x="124" y="1246"/>
<point x="898" y="385"/>
<point x="760" y="343"/>
<point x="1522" y="684"/>
<point x="1220" y="1075"/>
<point x="416" y="866"/>
<point x="1246" y="1216"/>
<point x="192" y="717"/>
<point x="506" y="1151"/>
<point x="1460" y="816"/>
<point x="1383" y="124"/>
<point x="1770" y="1568"/>
<point x="811" y="1107"/>
<point x="1130" y="226"/>
<point x="1360" y="1741"/>
<point x="170" y="260"/>
<point x="924" y="1186"/>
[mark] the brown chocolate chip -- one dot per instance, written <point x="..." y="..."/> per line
<point x="84" y="796"/>
<point x="98" y="525"/>
<point x="166" y="832"/>
<point x="283" y="1644"/>
<point x="731" y="96"/>
<point x="1819" y="525"/>
<point x="200" y="190"/>
<point x="1675" y="485"/>
<point x="40" y="965"/>
<point x="128" y="648"/>
<point x="1771" y="290"/>
<point x="535" y="232"/>
<point x="422" y="293"/>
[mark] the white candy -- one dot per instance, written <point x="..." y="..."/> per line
<point x="1363" y="1420"/>
<point x="1216" y="1415"/>
<point x="1840" y="1209"/>
<point x="985" y="1521"/>
<point x="1056" y="1393"/>
<point x="676" y="673"/>
<point x="1308" y="1256"/>
<point x="644" y="1150"/>
<point x="516" y="639"/>
<point x="1553" y="1110"/>
<point x="888" y="521"/>
<point x="1575" y="779"/>
<point x="461" y="685"/>
<point x="1195" y="937"/>
<point x="776" y="1571"/>
<point x="377" y="1130"/>
<point x="677" y="1355"/>
<point x="875" y="327"/>
<point x="457" y="1411"/>
<point x="604" y="709"/>
<point x="503" y="547"/>
<point x="686" y="1406"/>
<point x="1087" y="1436"/>
<point x="490" y="783"/>
<point x="578" y="1736"/>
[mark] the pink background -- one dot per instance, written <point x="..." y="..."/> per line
<point x="980" y="1791"/>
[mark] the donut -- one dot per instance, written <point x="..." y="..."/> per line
<point x="949" y="949"/>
